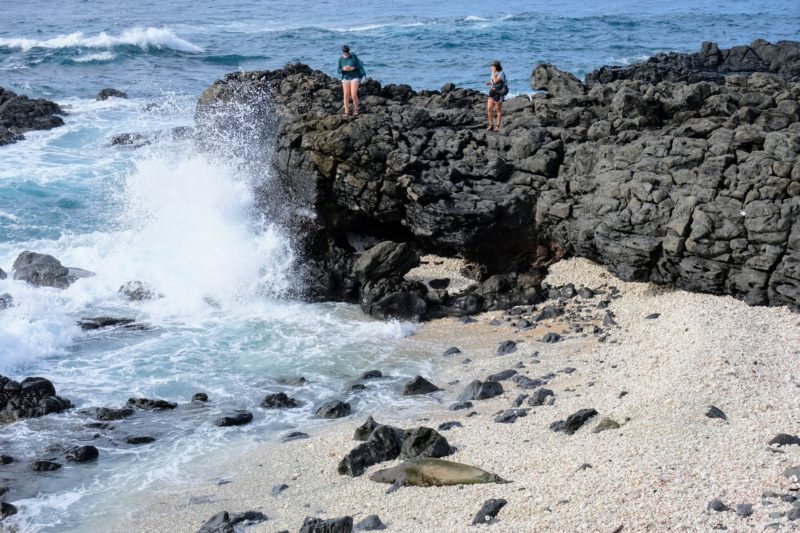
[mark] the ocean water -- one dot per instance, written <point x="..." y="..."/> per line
<point x="185" y="221"/>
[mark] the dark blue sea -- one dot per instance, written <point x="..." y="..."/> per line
<point x="184" y="222"/>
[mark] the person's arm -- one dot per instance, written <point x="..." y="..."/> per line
<point x="339" y="68"/>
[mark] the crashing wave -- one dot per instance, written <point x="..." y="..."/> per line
<point x="144" y="38"/>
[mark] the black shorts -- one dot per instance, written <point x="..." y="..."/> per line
<point x="498" y="98"/>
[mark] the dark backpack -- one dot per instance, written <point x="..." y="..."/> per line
<point x="500" y="88"/>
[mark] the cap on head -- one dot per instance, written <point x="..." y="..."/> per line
<point x="345" y="49"/>
<point x="496" y="64"/>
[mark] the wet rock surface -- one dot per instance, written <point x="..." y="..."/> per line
<point x="20" y="114"/>
<point x="32" y="397"/>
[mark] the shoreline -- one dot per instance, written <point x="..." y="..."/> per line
<point x="657" y="472"/>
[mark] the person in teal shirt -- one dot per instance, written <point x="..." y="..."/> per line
<point x="351" y="70"/>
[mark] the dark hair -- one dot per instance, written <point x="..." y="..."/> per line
<point x="496" y="64"/>
<point x="345" y="49"/>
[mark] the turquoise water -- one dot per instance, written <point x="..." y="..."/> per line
<point x="185" y="222"/>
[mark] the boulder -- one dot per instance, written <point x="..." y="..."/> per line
<point x="19" y="114"/>
<point x="342" y="524"/>
<point x="424" y="442"/>
<point x="574" y="421"/>
<point x="383" y="444"/>
<point x="419" y="385"/>
<point x="370" y="523"/>
<point x="235" y="418"/>
<point x="480" y="390"/>
<point x="137" y="440"/>
<point x="108" y="414"/>
<point x="82" y="454"/>
<point x="6" y="301"/>
<point x="44" y="466"/>
<point x="150" y="404"/>
<point x="41" y="270"/>
<point x="547" y="77"/>
<point x="138" y="291"/>
<point x="99" y="322"/>
<point x="224" y="522"/>
<point x="385" y="259"/>
<point x="488" y="511"/>
<point x="333" y="409"/>
<point x="109" y="92"/>
<point x="6" y="510"/>
<point x="541" y="396"/>
<point x="279" y="401"/>
<point x="32" y="397"/>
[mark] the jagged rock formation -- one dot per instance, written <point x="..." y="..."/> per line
<point x="30" y="398"/>
<point x="710" y="64"/>
<point x="694" y="184"/>
<point x="19" y="114"/>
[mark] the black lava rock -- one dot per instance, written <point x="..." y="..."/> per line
<point x="451" y="351"/>
<point x="200" y="397"/>
<point x="236" y="418"/>
<point x="782" y="439"/>
<point x="447" y="426"/>
<point x="509" y="416"/>
<point x="480" y="390"/>
<point x="279" y="401"/>
<point x="137" y="440"/>
<point x="458" y="406"/>
<point x="32" y="397"/>
<point x="372" y="374"/>
<point x="551" y="337"/>
<point x="370" y="523"/>
<point x="744" y="509"/>
<point x="81" y="454"/>
<point x="652" y="316"/>
<point x="383" y="444"/>
<point x="506" y="347"/>
<point x="108" y="414"/>
<point x="541" y="397"/>
<point x="342" y="524"/>
<point x="419" y="385"/>
<point x="488" y="511"/>
<point x="6" y="510"/>
<point x="44" y="466"/>
<point x="295" y="435"/>
<point x="718" y="506"/>
<point x="110" y="92"/>
<point x="715" y="412"/>
<point x="502" y="375"/>
<point x="333" y="409"/>
<point x="224" y="522"/>
<point x="150" y="404"/>
<point x="439" y="284"/>
<point x="424" y="442"/>
<point x="363" y="431"/>
<point x="573" y="422"/>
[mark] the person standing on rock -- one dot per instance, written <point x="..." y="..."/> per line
<point x="497" y="93"/>
<point x="351" y="71"/>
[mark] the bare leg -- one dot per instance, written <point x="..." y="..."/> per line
<point x="354" y="94"/>
<point x="499" y="107"/>
<point x="490" y="112"/>
<point x="346" y="91"/>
